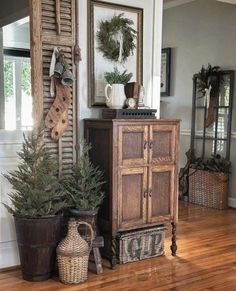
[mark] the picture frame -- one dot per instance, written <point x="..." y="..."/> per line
<point x="97" y="63"/>
<point x="165" y="72"/>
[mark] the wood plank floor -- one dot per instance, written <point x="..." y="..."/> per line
<point x="206" y="260"/>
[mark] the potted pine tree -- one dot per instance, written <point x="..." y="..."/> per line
<point x="36" y="200"/>
<point x="83" y="188"/>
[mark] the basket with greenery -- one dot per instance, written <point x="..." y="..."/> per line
<point x="208" y="182"/>
<point x="116" y="77"/>
<point x="36" y="189"/>
<point x="84" y="186"/>
<point x="215" y="163"/>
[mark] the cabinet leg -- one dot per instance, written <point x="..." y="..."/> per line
<point x="173" y="245"/>
<point x="113" y="260"/>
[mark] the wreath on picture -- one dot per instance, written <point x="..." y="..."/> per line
<point x="116" y="38"/>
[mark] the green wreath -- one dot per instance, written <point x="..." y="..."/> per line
<point x="108" y="45"/>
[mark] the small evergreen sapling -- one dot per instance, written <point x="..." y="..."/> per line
<point x="84" y="186"/>
<point x="36" y="189"/>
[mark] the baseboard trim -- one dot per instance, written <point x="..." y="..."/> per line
<point x="232" y="202"/>
<point x="8" y="269"/>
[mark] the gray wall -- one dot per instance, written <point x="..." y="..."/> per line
<point x="12" y="10"/>
<point x="200" y="32"/>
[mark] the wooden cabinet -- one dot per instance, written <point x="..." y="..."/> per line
<point x="140" y="162"/>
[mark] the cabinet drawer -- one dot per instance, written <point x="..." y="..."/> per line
<point x="163" y="144"/>
<point x="133" y="145"/>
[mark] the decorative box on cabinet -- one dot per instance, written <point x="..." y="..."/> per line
<point x="140" y="163"/>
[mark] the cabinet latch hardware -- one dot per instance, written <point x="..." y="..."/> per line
<point x="145" y="193"/>
<point x="150" y="193"/>
<point x="150" y="144"/>
<point x="145" y="144"/>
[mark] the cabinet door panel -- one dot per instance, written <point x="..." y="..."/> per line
<point x="160" y="200"/>
<point x="163" y="143"/>
<point x="132" y="203"/>
<point x="133" y="145"/>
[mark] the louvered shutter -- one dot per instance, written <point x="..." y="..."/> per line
<point x="53" y="24"/>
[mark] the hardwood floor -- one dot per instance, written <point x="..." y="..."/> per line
<point x="206" y="260"/>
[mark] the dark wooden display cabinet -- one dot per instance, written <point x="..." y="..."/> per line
<point x="140" y="162"/>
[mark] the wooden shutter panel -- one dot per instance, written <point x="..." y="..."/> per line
<point x="53" y="24"/>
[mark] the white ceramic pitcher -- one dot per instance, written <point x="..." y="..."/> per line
<point x="115" y="96"/>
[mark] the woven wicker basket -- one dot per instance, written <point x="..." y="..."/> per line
<point x="208" y="189"/>
<point x="73" y="255"/>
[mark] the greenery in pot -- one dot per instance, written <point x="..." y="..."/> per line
<point x="36" y="189"/>
<point x="84" y="186"/>
<point x="36" y="198"/>
<point x="116" y="77"/>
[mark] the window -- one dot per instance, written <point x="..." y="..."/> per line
<point x="17" y="91"/>
<point x="15" y="76"/>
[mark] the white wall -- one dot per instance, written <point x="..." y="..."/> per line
<point x="200" y="32"/>
<point x="151" y="54"/>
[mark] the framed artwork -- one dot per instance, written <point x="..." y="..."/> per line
<point x="104" y="47"/>
<point x="165" y="71"/>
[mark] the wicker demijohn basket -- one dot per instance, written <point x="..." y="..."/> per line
<point x="209" y="189"/>
<point x="73" y="255"/>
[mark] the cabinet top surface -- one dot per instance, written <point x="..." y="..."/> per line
<point x="155" y="120"/>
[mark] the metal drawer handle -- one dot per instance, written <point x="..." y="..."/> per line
<point x="145" y="144"/>
<point x="145" y="193"/>
<point x="150" y="144"/>
<point x="150" y="193"/>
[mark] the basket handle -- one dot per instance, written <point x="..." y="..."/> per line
<point x="91" y="231"/>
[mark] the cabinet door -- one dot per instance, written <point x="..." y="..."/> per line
<point x="162" y="144"/>
<point x="133" y="145"/>
<point x="132" y="196"/>
<point x="161" y="193"/>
